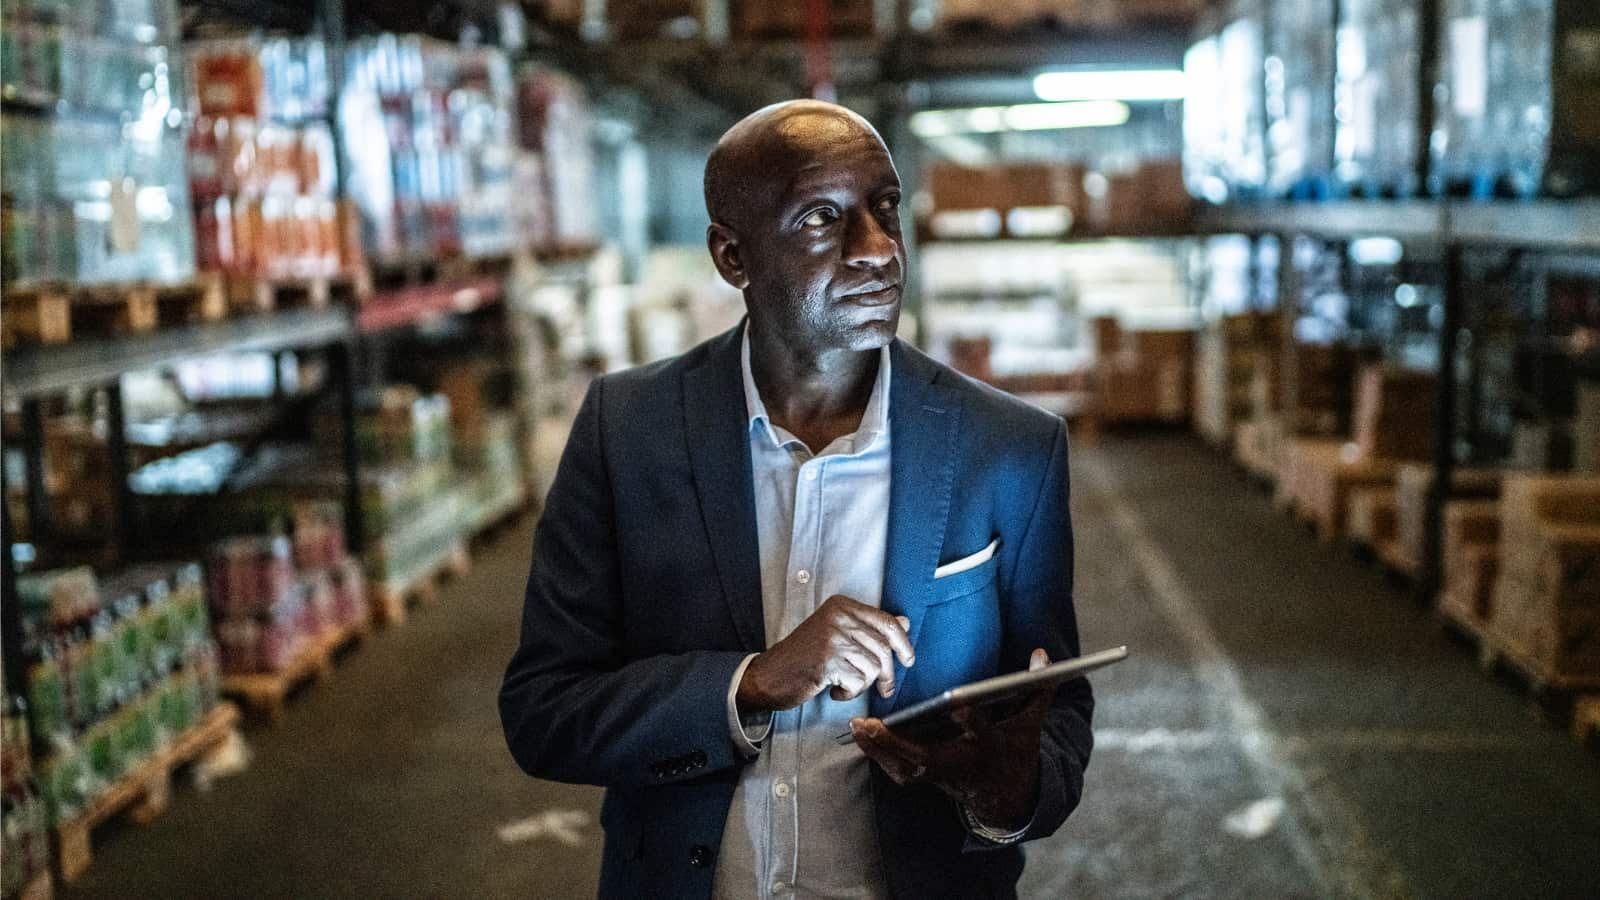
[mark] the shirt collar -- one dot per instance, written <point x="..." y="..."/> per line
<point x="874" y="420"/>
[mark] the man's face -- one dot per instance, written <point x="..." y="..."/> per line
<point x="823" y="251"/>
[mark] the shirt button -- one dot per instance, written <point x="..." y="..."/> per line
<point x="781" y="789"/>
<point x="779" y="887"/>
<point x="803" y="576"/>
<point x="811" y="474"/>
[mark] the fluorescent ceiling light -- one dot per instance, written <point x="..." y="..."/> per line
<point x="1046" y="116"/>
<point x="1104" y="84"/>
<point x="938" y="123"/>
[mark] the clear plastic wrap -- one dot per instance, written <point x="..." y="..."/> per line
<point x="1298" y="95"/>
<point x="93" y="144"/>
<point x="1377" y="98"/>
<point x="1491" y="129"/>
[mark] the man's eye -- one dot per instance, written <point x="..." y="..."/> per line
<point x="890" y="202"/>
<point x="818" y="218"/>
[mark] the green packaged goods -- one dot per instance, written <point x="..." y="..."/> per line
<point x="59" y="597"/>
<point x="178" y="700"/>
<point x="135" y="733"/>
<point x="66" y="783"/>
<point x="101" y="749"/>
<point x="47" y="700"/>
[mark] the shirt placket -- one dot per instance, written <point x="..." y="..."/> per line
<point x="800" y="600"/>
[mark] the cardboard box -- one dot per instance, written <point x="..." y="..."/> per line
<point x="1393" y="416"/>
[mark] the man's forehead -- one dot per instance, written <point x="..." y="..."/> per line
<point x="816" y="167"/>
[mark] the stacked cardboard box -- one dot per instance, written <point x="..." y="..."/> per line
<point x="1586" y="429"/>
<point x="1394" y="413"/>
<point x="1150" y="199"/>
<point x="1546" y="608"/>
<point x="1322" y="390"/>
<point x="763" y="19"/>
<point x="1371" y="520"/>
<point x="1011" y="186"/>
<point x="1147" y="379"/>
<point x="1316" y="476"/>
<point x="645" y="19"/>
<point x="1412" y="483"/>
<point x="1471" y="560"/>
<point x="1257" y="446"/>
<point x="1228" y="353"/>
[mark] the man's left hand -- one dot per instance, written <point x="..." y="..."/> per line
<point x="991" y="768"/>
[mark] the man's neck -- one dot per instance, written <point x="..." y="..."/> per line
<point x="816" y="397"/>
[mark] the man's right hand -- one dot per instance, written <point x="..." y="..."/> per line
<point x="845" y="645"/>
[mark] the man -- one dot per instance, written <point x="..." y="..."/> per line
<point x="783" y="535"/>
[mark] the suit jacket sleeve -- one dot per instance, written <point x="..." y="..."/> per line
<point x="1039" y="613"/>
<point x="574" y="707"/>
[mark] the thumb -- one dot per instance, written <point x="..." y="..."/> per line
<point x="1038" y="660"/>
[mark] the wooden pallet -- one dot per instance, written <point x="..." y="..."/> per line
<point x="1394" y="557"/>
<point x="388" y="600"/>
<point x="40" y="888"/>
<point x="388" y="275"/>
<point x="143" y="793"/>
<point x="250" y="294"/>
<point x="264" y="693"/>
<point x="55" y="314"/>
<point x="1586" y="718"/>
<point x="1556" y="694"/>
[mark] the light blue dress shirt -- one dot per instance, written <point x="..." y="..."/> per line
<point x="801" y="823"/>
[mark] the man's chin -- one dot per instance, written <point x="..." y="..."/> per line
<point x="874" y="333"/>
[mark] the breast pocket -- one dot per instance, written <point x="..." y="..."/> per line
<point x="959" y="640"/>
<point x="962" y="584"/>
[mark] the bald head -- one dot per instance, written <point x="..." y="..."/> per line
<point x="758" y="155"/>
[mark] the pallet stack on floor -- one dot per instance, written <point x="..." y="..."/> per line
<point x="1228" y="353"/>
<point x="122" y="689"/>
<point x="1141" y="375"/>
<point x="1319" y="477"/>
<point x="1544" y="617"/>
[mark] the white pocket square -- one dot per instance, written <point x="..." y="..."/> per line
<point x="967" y="562"/>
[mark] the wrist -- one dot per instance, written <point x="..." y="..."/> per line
<point x="749" y="698"/>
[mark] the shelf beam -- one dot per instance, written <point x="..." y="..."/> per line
<point x="38" y="370"/>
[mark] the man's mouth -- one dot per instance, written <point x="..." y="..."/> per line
<point x="874" y="296"/>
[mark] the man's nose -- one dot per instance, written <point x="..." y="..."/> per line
<point x="867" y="243"/>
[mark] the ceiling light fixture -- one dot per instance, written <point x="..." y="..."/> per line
<point x="1111" y="84"/>
<point x="940" y="123"/>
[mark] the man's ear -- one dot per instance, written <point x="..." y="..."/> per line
<point x="724" y="247"/>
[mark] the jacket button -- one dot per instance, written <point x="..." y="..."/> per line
<point x="700" y="856"/>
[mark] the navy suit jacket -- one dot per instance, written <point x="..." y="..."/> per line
<point x="644" y="596"/>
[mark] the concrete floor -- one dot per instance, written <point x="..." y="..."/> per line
<point x="1268" y="674"/>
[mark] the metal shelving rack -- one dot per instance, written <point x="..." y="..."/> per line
<point x="1545" y="226"/>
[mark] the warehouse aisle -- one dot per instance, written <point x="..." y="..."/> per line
<point x="1290" y="725"/>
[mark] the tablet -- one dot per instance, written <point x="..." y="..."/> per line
<point x="930" y="719"/>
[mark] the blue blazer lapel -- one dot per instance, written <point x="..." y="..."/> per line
<point x="715" y="422"/>
<point x="922" y="419"/>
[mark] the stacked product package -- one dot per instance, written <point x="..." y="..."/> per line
<point x="415" y="508"/>
<point x="438" y="184"/>
<point x="117" y="669"/>
<point x="555" y="135"/>
<point x="24" y="817"/>
<point x="1224" y="149"/>
<point x="487" y="459"/>
<point x="262" y="163"/>
<point x="1298" y="92"/>
<point x="92" y="143"/>
<point x="275" y="595"/>
<point x="1378" y="93"/>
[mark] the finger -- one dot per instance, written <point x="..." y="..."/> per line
<point x="871" y="642"/>
<point x="880" y="735"/>
<point x="900" y="769"/>
<point x="892" y="630"/>
<point x="1038" y="660"/>
<point x="850" y="671"/>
